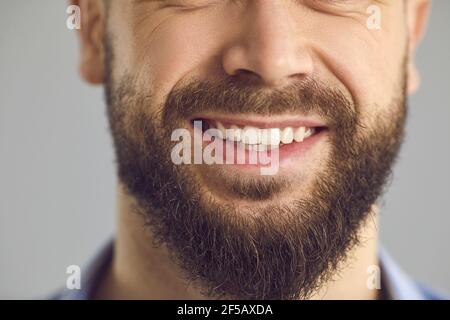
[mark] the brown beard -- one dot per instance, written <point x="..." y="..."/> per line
<point x="283" y="252"/>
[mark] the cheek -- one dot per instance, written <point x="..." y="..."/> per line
<point x="176" y="49"/>
<point x="168" y="56"/>
<point x="159" y="53"/>
<point x="368" y="63"/>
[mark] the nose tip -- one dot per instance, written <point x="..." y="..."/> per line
<point x="269" y="47"/>
<point x="271" y="66"/>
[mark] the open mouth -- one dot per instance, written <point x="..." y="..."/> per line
<point x="260" y="136"/>
<point x="248" y="142"/>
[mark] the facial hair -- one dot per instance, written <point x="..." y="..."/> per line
<point x="283" y="251"/>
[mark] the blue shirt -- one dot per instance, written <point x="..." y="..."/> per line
<point x="396" y="284"/>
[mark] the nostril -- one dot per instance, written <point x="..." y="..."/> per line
<point x="247" y="77"/>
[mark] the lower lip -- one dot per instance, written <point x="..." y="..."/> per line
<point x="289" y="154"/>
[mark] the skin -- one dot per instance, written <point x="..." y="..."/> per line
<point x="163" y="44"/>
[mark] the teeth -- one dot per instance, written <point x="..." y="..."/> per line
<point x="287" y="135"/>
<point x="299" y="134"/>
<point x="263" y="139"/>
<point x="251" y="135"/>
<point x="221" y="129"/>
<point x="309" y="132"/>
<point x="258" y="147"/>
<point x="234" y="133"/>
<point x="270" y="137"/>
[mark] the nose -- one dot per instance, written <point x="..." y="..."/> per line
<point x="269" y="47"/>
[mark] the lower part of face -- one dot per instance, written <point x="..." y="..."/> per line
<point x="238" y="234"/>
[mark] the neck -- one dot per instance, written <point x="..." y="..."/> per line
<point x="142" y="271"/>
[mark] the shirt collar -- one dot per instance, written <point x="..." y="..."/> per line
<point x="397" y="284"/>
<point x="91" y="275"/>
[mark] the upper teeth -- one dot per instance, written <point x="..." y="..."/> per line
<point x="267" y="137"/>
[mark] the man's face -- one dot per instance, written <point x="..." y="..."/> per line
<point x="285" y="65"/>
<point x="263" y="47"/>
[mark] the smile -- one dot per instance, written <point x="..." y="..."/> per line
<point x="261" y="134"/>
<point x="251" y="136"/>
<point x="260" y="139"/>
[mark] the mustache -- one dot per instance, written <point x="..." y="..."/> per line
<point x="231" y="95"/>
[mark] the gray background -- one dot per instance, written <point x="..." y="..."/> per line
<point x="56" y="161"/>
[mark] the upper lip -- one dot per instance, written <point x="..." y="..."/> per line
<point x="258" y="121"/>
